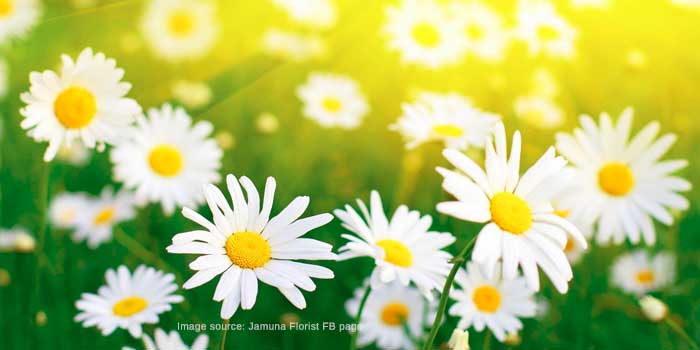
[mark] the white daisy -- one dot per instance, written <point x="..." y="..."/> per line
<point x="243" y="246"/>
<point x="333" y="100"/>
<point x="171" y="341"/>
<point x="639" y="273"/>
<point x="128" y="300"/>
<point x="620" y="184"/>
<point x="321" y="14"/>
<point x="168" y="159"/>
<point x="16" y="240"/>
<point x="493" y="302"/>
<point x="94" y="224"/>
<point x="450" y="118"/>
<point x="294" y="46"/>
<point x="86" y="101"/>
<point x="384" y="315"/>
<point x="521" y="226"/>
<point x="423" y="33"/>
<point x="403" y="248"/>
<point x="544" y="30"/>
<point x="192" y="94"/>
<point x="16" y="17"/>
<point x="74" y="153"/>
<point x="179" y="30"/>
<point x="66" y="208"/>
<point x="539" y="111"/>
<point x="485" y="34"/>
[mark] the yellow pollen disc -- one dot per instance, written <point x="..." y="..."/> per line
<point x="181" y="23"/>
<point x="426" y="35"/>
<point x="645" y="276"/>
<point x="448" y="130"/>
<point x="129" y="306"/>
<point x="547" y="33"/>
<point x="104" y="216"/>
<point x="616" y="179"/>
<point x="396" y="252"/>
<point x="475" y="32"/>
<point x="332" y="104"/>
<point x="393" y="314"/>
<point x="511" y="213"/>
<point x="487" y="299"/>
<point x="248" y="250"/>
<point x="75" y="107"/>
<point x="6" y="7"/>
<point x="165" y="160"/>
<point x="569" y="245"/>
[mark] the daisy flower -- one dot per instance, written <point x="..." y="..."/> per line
<point x="16" y="17"/>
<point x="320" y="14"/>
<point x="192" y="94"/>
<point x="423" y="33"/>
<point x="333" y="100"/>
<point x="483" y="30"/>
<point x="449" y="118"/>
<point x="544" y="30"/>
<point x="86" y="102"/>
<point x="403" y="247"/>
<point x="539" y="111"/>
<point x="179" y="30"/>
<point x="492" y="302"/>
<point x="66" y="208"/>
<point x="521" y="228"/>
<point x="384" y="315"/>
<point x="639" y="273"/>
<point x="169" y="159"/>
<point x="16" y="240"/>
<point x="294" y="46"/>
<point x="244" y="246"/>
<point x="620" y="184"/>
<point x="171" y="341"/>
<point x="94" y="224"/>
<point x="128" y="300"/>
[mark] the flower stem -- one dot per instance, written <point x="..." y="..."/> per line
<point x="223" y="334"/>
<point x="353" y="336"/>
<point x="442" y="306"/>
<point x="682" y="333"/>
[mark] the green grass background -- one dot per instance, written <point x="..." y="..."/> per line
<point x="334" y="166"/>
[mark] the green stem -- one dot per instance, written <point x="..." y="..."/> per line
<point x="442" y="306"/>
<point x="353" y="336"/>
<point x="487" y="341"/>
<point x="223" y="334"/>
<point x="681" y="332"/>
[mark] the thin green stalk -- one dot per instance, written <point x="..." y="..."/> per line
<point x="442" y="306"/>
<point x="487" y="341"/>
<point x="223" y="335"/>
<point x="681" y="332"/>
<point x="353" y="336"/>
<point x="134" y="247"/>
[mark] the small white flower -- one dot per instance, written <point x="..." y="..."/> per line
<point x="539" y="111"/>
<point x="639" y="273"/>
<point x="459" y="340"/>
<point x="179" y="30"/>
<point x="403" y="247"/>
<point x="483" y="29"/>
<point x="544" y="30"/>
<point x="267" y="123"/>
<point x="333" y="100"/>
<point x="16" y="240"/>
<point x="192" y="94"/>
<point x="293" y="46"/>
<point x="654" y="309"/>
<point x="494" y="302"/>
<point x="86" y="102"/>
<point x="171" y="341"/>
<point x="66" y="208"/>
<point x="385" y="313"/>
<point x="522" y="229"/>
<point x="17" y="17"/>
<point x="128" y="300"/>
<point x="321" y="14"/>
<point x="244" y="246"/>
<point x="169" y="159"/>
<point x="450" y="118"/>
<point x="95" y="223"/>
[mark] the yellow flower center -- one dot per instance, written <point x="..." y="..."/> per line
<point x="511" y="213"/>
<point x="332" y="104"/>
<point x="129" y="306"/>
<point x="448" y="130"/>
<point x="75" y="107"/>
<point x="394" y="313"/>
<point x="475" y="32"/>
<point x="105" y="216"/>
<point x="645" y="276"/>
<point x="248" y="250"/>
<point x="569" y="245"/>
<point x="396" y="252"/>
<point x="6" y="7"/>
<point x="181" y="23"/>
<point x="487" y="299"/>
<point x="165" y="160"/>
<point x="616" y="179"/>
<point x="426" y="35"/>
<point x="547" y="33"/>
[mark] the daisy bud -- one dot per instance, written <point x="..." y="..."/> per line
<point x="459" y="340"/>
<point x="654" y="309"/>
